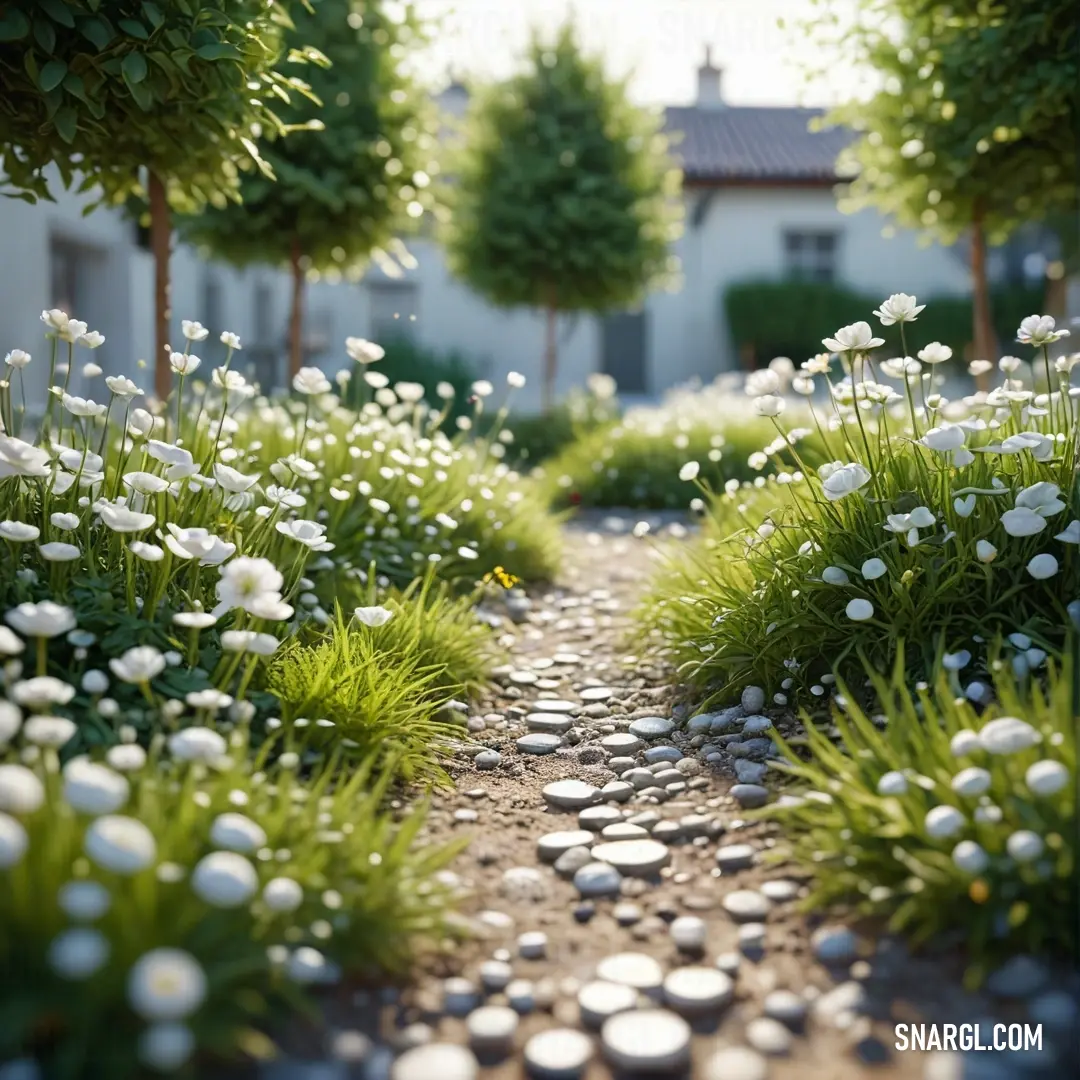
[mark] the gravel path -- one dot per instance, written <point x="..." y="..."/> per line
<point x="626" y="922"/>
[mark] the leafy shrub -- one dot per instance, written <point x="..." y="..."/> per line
<point x="948" y="818"/>
<point x="791" y="317"/>
<point x="257" y="883"/>
<point x="635" y="463"/>
<point x="936" y="523"/>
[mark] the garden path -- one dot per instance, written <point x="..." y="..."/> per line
<point x="698" y="922"/>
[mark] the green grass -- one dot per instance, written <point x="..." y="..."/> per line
<point x="875" y="853"/>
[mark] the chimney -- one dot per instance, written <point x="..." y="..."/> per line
<point x="708" y="84"/>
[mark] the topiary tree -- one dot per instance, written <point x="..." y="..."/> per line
<point x="162" y="100"/>
<point x="974" y="130"/>
<point x="564" y="197"/>
<point x="346" y="191"/>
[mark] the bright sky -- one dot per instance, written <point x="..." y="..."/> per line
<point x="760" y="44"/>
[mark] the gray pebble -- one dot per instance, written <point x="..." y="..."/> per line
<point x="488" y="759"/>
<point x="597" y="879"/>
<point x="834" y="945"/>
<point x="444" y="1060"/>
<point x="753" y="699"/>
<point x="735" y="857"/>
<point x="539" y="743"/>
<point x="746" y="905"/>
<point x="769" y="1036"/>
<point x="750" y="796"/>
<point x="786" y="1006"/>
<point x="736" y="1063"/>
<point x="646" y="1040"/>
<point x="557" y="1054"/>
<point x="570" y="794"/>
<point x="572" y="860"/>
<point x="651" y="727"/>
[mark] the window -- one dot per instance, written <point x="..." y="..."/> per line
<point x="393" y="306"/>
<point x="810" y="256"/>
<point x="64" y="277"/>
<point x="211" y="304"/>
<point x="264" y="313"/>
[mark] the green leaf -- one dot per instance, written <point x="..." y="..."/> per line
<point x="52" y="75"/>
<point x="153" y="14"/>
<point x="45" y="35"/>
<point x="134" y="68"/>
<point x="141" y="94"/>
<point x="134" y="28"/>
<point x="74" y="85"/>
<point x="96" y="31"/>
<point x="58" y="11"/>
<point x="67" y="123"/>
<point x="217" y="52"/>
<point x="13" y="25"/>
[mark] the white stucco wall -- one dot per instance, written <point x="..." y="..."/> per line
<point x="740" y="237"/>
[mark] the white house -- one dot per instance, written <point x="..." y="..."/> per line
<point x="758" y="188"/>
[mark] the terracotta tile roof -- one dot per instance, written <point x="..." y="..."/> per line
<point x="751" y="144"/>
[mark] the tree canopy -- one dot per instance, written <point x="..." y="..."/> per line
<point x="562" y="196"/>
<point x="341" y="192"/>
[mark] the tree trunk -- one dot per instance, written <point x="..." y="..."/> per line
<point x="551" y="357"/>
<point x="160" y="242"/>
<point x="983" y="337"/>
<point x="296" y="315"/>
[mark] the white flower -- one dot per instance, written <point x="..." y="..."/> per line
<point x="309" y="533"/>
<point x="78" y="954"/>
<point x="123" y="520"/>
<point x="872" y="569"/>
<point x="55" y="319"/>
<point x="762" y="383"/>
<point x="84" y="901"/>
<point x="985" y="552"/>
<point x="307" y="965"/>
<point x="150" y="553"/>
<point x="42" y="690"/>
<point x="210" y="698"/>
<point x="858" y="337"/>
<point x="363" y="351"/>
<point x="93" y="789"/>
<point x="235" y="832"/>
<point x="845" y="480"/>
<point x="934" y="353"/>
<point x="945" y="438"/>
<point x="965" y="506"/>
<point x="311" y="380"/>
<point x="769" y="405"/>
<point x="892" y="783"/>
<point x="1042" y="498"/>
<point x="18" y="458"/>
<point x="193" y="330"/>
<point x="373" y="616"/>
<point x="859" y="610"/>
<point x="224" y="879"/>
<point x="141" y="423"/>
<point x="120" y="844"/>
<point x="198" y="543"/>
<point x="899" y="308"/>
<point x="1041" y="447"/>
<point x="13" y="841"/>
<point x="197" y="744"/>
<point x="1071" y="534"/>
<point x="282" y="894"/>
<point x="82" y="407"/>
<point x="18" y="532"/>
<point x="234" y="481"/>
<point x="956" y="661"/>
<point x="1039" y="330"/>
<point x="802" y="385"/>
<point x="970" y="857"/>
<point x="122" y="386"/>
<point x="17" y="358"/>
<point x="44" y="619"/>
<point x="10" y="645"/>
<point x="515" y="380"/>
<point x="52" y="731"/>
<point x="93" y="339"/>
<point x="249" y="641"/>
<point x="482" y="388"/>
<point x="168" y="453"/>
<point x="1042" y="566"/>
<point x="689" y="471"/>
<point x="971" y="781"/>
<point x="1022" y="522"/>
<point x="1024" y="846"/>
<point x="1046" y="777"/>
<point x="909" y="525"/>
<point x="414" y="391"/>
<point x="139" y="664"/>
<point x="21" y="792"/>
<point x="1008" y="735"/>
<point x="247" y="580"/>
<point x="229" y="340"/>
<point x="943" y="821"/>
<point x="232" y="382"/>
<point x="127" y="757"/>
<point x="194" y="620"/>
<point x="184" y="363"/>
<point x="165" y="1047"/>
<point x="166" y="984"/>
<point x="834" y="575"/>
<point x="65" y="522"/>
<point x="145" y="483"/>
<point x="74" y="330"/>
<point x="816" y="365"/>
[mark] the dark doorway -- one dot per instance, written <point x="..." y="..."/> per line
<point x="623" y="351"/>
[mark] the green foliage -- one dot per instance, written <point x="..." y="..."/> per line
<point x="103" y="91"/>
<point x="977" y="117"/>
<point x="370" y="898"/>
<point x="636" y="462"/>
<point x="381" y="699"/>
<point x="346" y="188"/>
<point x="582" y="411"/>
<point x="874" y="850"/>
<point x="564" y="196"/>
<point x="791" y="317"/>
